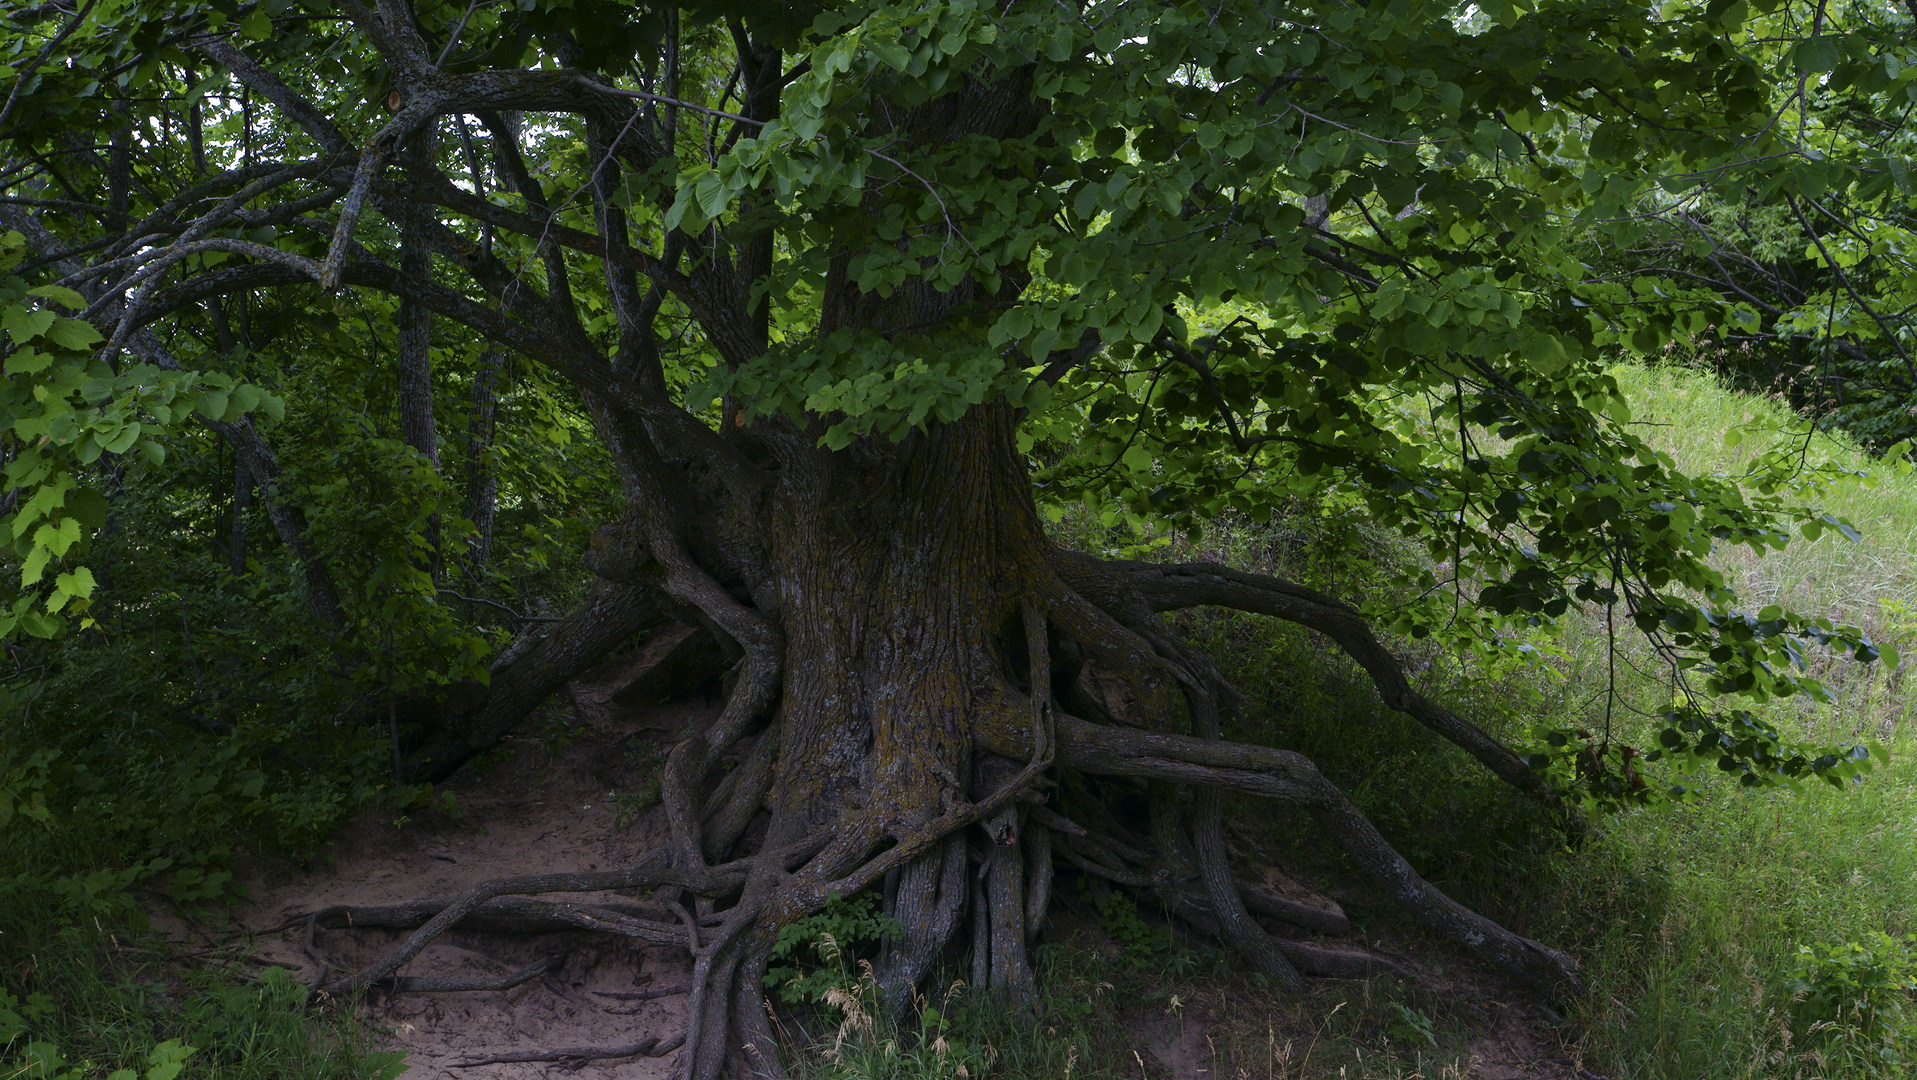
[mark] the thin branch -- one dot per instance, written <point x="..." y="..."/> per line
<point x="661" y="99"/>
<point x="45" y="51"/>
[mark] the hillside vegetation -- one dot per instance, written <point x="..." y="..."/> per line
<point x="1732" y="934"/>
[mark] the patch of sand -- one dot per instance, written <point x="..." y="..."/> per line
<point x="539" y="813"/>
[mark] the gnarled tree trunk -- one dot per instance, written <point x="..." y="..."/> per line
<point x="911" y="715"/>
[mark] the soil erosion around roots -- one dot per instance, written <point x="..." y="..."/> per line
<point x="579" y="801"/>
<point x="597" y="982"/>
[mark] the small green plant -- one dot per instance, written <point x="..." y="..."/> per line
<point x="1146" y="945"/>
<point x="42" y="1061"/>
<point x="17" y="1017"/>
<point x="420" y="798"/>
<point x="1410" y="1026"/>
<point x="1865" y="987"/>
<point x="813" y="959"/>
<point x="1118" y="917"/>
<point x="642" y="758"/>
<point x="627" y="806"/>
<point x="557" y="731"/>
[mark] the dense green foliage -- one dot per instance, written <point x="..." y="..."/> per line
<point x="1261" y="264"/>
<point x="1309" y="263"/>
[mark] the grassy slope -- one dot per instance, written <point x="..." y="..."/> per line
<point x="1738" y="881"/>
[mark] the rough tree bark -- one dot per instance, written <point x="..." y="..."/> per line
<point x="482" y="484"/>
<point x="416" y="426"/>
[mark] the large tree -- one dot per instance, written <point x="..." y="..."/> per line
<point x="830" y="283"/>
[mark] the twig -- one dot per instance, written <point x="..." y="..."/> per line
<point x="498" y="606"/>
<point x="453" y="40"/>
<point x="644" y="995"/>
<point x="649" y="1048"/>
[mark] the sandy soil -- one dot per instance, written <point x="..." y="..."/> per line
<point x="541" y="812"/>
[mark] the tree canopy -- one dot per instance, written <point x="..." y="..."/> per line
<point x="813" y="312"/>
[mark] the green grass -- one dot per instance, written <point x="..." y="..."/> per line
<point x="1697" y="912"/>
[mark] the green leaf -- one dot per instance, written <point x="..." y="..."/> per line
<point x="75" y="584"/>
<point x="168" y="1059"/>
<point x="34" y="567"/>
<point x="246" y="398"/>
<point x="712" y="195"/>
<point x="58" y="536"/>
<point x="891" y="54"/>
<point x="73" y="334"/>
<point x="23" y="325"/>
<point x="27" y="361"/>
<point x="43" y="502"/>
<point x="1819" y="54"/>
<point x="61" y="295"/>
<point x="119" y="443"/>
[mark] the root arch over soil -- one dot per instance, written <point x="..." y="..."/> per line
<point x="908" y="708"/>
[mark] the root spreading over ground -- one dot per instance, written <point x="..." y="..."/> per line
<point x="948" y="710"/>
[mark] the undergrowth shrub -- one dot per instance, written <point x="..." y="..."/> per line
<point x="139" y="758"/>
<point x="817" y="957"/>
<point x="1863" y="990"/>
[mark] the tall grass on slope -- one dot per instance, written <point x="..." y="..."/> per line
<point x="1692" y="917"/>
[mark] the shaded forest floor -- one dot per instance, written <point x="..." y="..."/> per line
<point x="1127" y="994"/>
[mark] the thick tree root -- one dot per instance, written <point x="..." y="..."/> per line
<point x="615" y="612"/>
<point x="415" y="984"/>
<point x="1332" y="963"/>
<point x="643" y="995"/>
<point x="1174" y="587"/>
<point x="513" y="915"/>
<point x="1284" y="775"/>
<point x="987" y="852"/>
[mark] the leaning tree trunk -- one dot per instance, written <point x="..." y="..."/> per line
<point x="908" y="713"/>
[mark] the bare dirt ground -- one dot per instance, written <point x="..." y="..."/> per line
<point x="565" y="801"/>
<point x="553" y="807"/>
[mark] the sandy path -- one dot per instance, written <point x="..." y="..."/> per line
<point x="538" y="813"/>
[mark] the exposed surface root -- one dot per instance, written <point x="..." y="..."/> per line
<point x="513" y="915"/>
<point x="426" y="984"/>
<point x="1173" y="587"/>
<point x="643" y="995"/>
<point x="1140" y="803"/>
